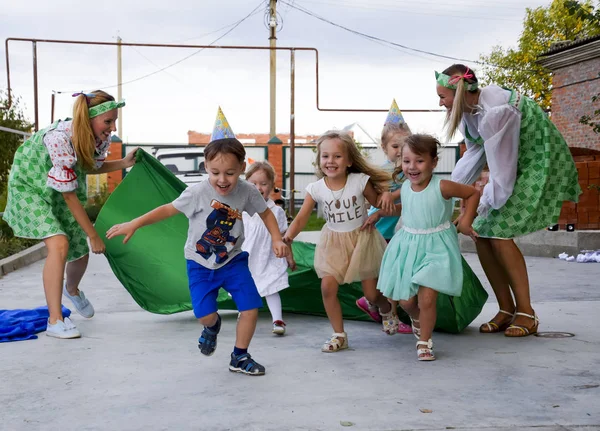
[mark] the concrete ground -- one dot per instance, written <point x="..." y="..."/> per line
<point x="133" y="370"/>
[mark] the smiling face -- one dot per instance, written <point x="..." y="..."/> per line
<point x="417" y="168"/>
<point x="262" y="183"/>
<point x="446" y="96"/>
<point x="103" y="125"/>
<point x="333" y="159"/>
<point x="224" y="171"/>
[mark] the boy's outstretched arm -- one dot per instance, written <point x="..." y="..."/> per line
<point x="279" y="247"/>
<point x="151" y="217"/>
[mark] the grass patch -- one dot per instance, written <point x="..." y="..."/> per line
<point x="314" y="223"/>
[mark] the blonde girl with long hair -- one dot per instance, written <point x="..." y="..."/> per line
<point x="47" y="193"/>
<point x="346" y="252"/>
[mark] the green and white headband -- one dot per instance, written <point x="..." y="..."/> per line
<point x="101" y="108"/>
<point x="451" y="81"/>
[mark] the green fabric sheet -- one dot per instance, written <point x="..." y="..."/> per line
<point x="152" y="267"/>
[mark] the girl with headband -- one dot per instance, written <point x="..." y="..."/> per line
<point x="531" y="173"/>
<point x="47" y="193"/>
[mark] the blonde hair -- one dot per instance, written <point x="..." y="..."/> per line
<point x="393" y="131"/>
<point x="378" y="177"/>
<point x="83" y="138"/>
<point x="264" y="166"/>
<point x="459" y="105"/>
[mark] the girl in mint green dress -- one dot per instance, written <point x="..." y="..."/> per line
<point x="423" y="258"/>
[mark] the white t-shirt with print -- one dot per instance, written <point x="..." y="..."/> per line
<point x="344" y="210"/>
<point x="216" y="229"/>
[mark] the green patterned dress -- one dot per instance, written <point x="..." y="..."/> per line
<point x="44" y="167"/>
<point x="531" y="168"/>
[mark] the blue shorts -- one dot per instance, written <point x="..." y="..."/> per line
<point x="234" y="277"/>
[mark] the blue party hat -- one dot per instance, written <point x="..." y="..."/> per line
<point x="222" y="129"/>
<point x="394" y="115"/>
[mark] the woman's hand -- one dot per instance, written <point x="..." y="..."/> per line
<point x="467" y="229"/>
<point x="129" y="159"/>
<point x="97" y="244"/>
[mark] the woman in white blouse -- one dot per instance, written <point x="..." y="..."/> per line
<point x="531" y="173"/>
<point x="47" y="193"/>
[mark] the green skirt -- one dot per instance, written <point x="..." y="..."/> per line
<point x="546" y="177"/>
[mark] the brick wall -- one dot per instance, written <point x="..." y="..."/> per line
<point x="115" y="177"/>
<point x="570" y="102"/>
<point x="586" y="213"/>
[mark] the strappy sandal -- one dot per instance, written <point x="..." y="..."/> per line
<point x="492" y="327"/>
<point x="207" y="343"/>
<point x="425" y="353"/>
<point x="246" y="365"/>
<point x="334" y="344"/>
<point x="416" y="331"/>
<point x="390" y="323"/>
<point x="524" y="331"/>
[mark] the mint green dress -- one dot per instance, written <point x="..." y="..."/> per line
<point x="425" y="251"/>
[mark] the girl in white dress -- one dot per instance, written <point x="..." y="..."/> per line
<point x="268" y="271"/>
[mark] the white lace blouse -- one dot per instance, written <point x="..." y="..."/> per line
<point x="497" y="124"/>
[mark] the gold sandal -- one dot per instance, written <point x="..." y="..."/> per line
<point x="492" y="327"/>
<point x="524" y="331"/>
<point x="334" y="344"/>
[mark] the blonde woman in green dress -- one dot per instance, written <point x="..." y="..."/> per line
<point x="531" y="173"/>
<point x="47" y="193"/>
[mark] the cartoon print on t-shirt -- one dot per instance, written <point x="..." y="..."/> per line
<point x="219" y="224"/>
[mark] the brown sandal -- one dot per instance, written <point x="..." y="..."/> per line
<point x="524" y="331"/>
<point x="492" y="327"/>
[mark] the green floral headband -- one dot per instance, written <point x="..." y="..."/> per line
<point x="451" y="81"/>
<point x="100" y="109"/>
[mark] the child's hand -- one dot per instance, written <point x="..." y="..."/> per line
<point x="369" y="224"/>
<point x="287" y="239"/>
<point x="97" y="244"/>
<point x="386" y="202"/>
<point x="280" y="249"/>
<point x="127" y="229"/>
<point x="467" y="229"/>
<point x="291" y="262"/>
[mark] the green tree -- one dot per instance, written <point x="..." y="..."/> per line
<point x="563" y="20"/>
<point x="12" y="118"/>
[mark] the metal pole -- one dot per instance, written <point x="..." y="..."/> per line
<point x="52" y="107"/>
<point x="292" y="130"/>
<point x="35" y="86"/>
<point x="273" y="64"/>
<point x="120" y="89"/>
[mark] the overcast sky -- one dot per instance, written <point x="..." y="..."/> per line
<point x="161" y="108"/>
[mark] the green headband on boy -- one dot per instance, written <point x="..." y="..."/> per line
<point x="100" y="109"/>
<point x="451" y="81"/>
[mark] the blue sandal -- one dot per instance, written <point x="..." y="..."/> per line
<point x="246" y="365"/>
<point x="207" y="343"/>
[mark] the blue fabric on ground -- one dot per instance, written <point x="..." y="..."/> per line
<point x="18" y="325"/>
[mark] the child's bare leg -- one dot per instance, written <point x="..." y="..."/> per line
<point x="374" y="296"/>
<point x="333" y="308"/>
<point x="75" y="271"/>
<point x="245" y="328"/>
<point x="53" y="273"/>
<point x="209" y="320"/>
<point x="427" y="311"/>
<point x="411" y="307"/>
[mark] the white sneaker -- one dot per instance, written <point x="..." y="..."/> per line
<point x="279" y="327"/>
<point x="81" y="303"/>
<point x="62" y="329"/>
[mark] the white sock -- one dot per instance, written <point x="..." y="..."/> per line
<point x="274" y="304"/>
